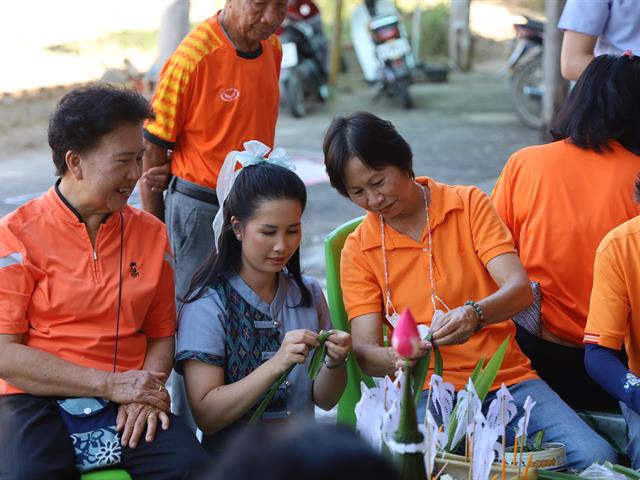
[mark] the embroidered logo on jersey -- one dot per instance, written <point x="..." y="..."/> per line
<point x="630" y="382"/>
<point x="229" y="94"/>
<point x="133" y="269"/>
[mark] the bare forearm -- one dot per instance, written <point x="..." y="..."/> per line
<point x="225" y="404"/>
<point x="40" y="373"/>
<point x="507" y="301"/>
<point x="573" y="67"/>
<point x="159" y="356"/>
<point x="152" y="201"/>
<point x="577" y="52"/>
<point x="375" y="360"/>
<point x="328" y="386"/>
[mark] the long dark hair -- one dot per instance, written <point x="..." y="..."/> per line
<point x="254" y="185"/>
<point x="603" y="106"/>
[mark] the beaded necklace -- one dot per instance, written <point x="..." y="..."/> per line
<point x="391" y="314"/>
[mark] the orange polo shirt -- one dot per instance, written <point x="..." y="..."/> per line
<point x="614" y="310"/>
<point x="211" y="99"/>
<point x="63" y="295"/>
<point x="559" y="201"/>
<point x="466" y="234"/>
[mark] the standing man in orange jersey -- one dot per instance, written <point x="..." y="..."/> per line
<point x="218" y="90"/>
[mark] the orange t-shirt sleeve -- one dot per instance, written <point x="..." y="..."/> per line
<point x="609" y="308"/>
<point x="361" y="292"/>
<point x="16" y="285"/>
<point x="161" y="317"/>
<point x="502" y="199"/>
<point x="172" y="99"/>
<point x="490" y="235"/>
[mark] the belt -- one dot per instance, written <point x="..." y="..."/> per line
<point x="195" y="191"/>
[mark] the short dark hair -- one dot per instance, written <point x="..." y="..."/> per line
<point x="86" y="114"/>
<point x="254" y="185"/>
<point x="374" y="141"/>
<point x="603" y="106"/>
<point x="309" y="451"/>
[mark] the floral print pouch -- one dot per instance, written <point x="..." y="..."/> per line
<point x="91" y="423"/>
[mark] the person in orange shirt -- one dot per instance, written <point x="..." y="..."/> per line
<point x="559" y="200"/>
<point x="218" y="90"/>
<point x="614" y="321"/>
<point x="428" y="246"/>
<point x="87" y="314"/>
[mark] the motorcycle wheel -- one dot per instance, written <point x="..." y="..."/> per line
<point x="294" y="96"/>
<point x="405" y="96"/>
<point x="526" y="92"/>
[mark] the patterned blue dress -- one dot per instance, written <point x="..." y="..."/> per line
<point x="230" y="326"/>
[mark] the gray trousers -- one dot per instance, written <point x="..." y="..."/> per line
<point x="189" y="223"/>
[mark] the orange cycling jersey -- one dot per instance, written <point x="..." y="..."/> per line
<point x="211" y="99"/>
<point x="61" y="293"/>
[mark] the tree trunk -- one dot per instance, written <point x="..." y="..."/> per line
<point x="554" y="86"/>
<point x="460" y="35"/>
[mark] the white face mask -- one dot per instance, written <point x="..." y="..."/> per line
<point x="391" y="314"/>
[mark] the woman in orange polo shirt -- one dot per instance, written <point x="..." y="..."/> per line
<point x="87" y="310"/>
<point x="428" y="246"/>
<point x="559" y="200"/>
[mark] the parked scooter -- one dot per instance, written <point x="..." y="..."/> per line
<point x="525" y="69"/>
<point x="382" y="47"/>
<point x="304" y="70"/>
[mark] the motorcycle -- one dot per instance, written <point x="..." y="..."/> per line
<point x="525" y="69"/>
<point x="382" y="47"/>
<point x="304" y="72"/>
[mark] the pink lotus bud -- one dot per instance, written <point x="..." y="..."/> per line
<point x="406" y="340"/>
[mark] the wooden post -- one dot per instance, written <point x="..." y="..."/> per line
<point x="554" y="86"/>
<point x="336" y="43"/>
<point x="460" y="35"/>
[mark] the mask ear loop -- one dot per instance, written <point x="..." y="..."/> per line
<point x="392" y="317"/>
<point x="434" y="296"/>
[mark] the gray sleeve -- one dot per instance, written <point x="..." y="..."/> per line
<point x="320" y="303"/>
<point x="585" y="16"/>
<point x="201" y="332"/>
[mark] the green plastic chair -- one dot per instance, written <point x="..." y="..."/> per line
<point x="610" y="425"/>
<point x="333" y="244"/>
<point x="107" y="475"/>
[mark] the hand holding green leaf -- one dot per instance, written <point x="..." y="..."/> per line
<point x="294" y="350"/>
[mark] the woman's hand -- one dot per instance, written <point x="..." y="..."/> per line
<point x="139" y="386"/>
<point x="132" y="420"/>
<point x="294" y="349"/>
<point x="157" y="178"/>
<point x="456" y="326"/>
<point x="338" y="347"/>
<point x="400" y="361"/>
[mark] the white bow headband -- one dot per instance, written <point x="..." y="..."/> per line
<point x="255" y="152"/>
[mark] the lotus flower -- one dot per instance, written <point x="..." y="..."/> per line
<point x="406" y="340"/>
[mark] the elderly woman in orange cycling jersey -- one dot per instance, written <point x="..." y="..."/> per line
<point x="88" y="315"/>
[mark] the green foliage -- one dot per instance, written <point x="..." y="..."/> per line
<point x="484" y="379"/>
<point x="419" y="376"/>
<point x="318" y="356"/>
<point x="435" y="31"/>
